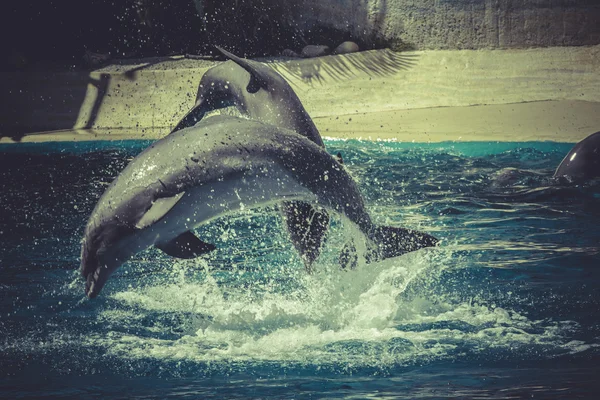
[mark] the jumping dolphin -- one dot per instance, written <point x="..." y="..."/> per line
<point x="262" y="94"/>
<point x="583" y="161"/>
<point x="257" y="91"/>
<point x="220" y="165"/>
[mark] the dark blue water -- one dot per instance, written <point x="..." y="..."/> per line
<point x="507" y="307"/>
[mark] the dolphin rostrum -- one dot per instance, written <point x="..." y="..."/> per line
<point x="219" y="166"/>
<point x="262" y="94"/>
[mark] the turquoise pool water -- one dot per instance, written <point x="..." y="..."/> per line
<point x="507" y="307"/>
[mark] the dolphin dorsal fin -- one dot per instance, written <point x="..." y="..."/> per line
<point x="186" y="245"/>
<point x="258" y="80"/>
<point x="160" y="207"/>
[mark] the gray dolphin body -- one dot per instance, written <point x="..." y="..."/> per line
<point x="257" y="91"/>
<point x="583" y="161"/>
<point x="262" y="94"/>
<point x="215" y="168"/>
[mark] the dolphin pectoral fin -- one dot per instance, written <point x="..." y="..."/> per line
<point x="307" y="227"/>
<point x="159" y="209"/>
<point x="393" y="242"/>
<point x="257" y="79"/>
<point x="186" y="245"/>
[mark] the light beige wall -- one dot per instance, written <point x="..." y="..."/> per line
<point x="156" y="98"/>
<point x="370" y="81"/>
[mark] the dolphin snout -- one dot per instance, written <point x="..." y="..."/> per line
<point x="95" y="281"/>
<point x="90" y="287"/>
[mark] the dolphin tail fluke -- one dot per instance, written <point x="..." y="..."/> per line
<point x="393" y="242"/>
<point x="186" y="245"/>
<point x="386" y="242"/>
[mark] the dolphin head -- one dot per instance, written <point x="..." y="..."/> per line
<point x="215" y="91"/>
<point x="219" y="88"/>
<point x="100" y="254"/>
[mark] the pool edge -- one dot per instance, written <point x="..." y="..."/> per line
<point x="557" y="121"/>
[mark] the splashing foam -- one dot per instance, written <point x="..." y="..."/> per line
<point x="349" y="318"/>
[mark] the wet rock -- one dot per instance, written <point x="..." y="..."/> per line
<point x="92" y="59"/>
<point x="290" y="53"/>
<point x="345" y="48"/>
<point x="315" y="51"/>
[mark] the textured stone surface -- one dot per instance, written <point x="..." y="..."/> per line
<point x="460" y="24"/>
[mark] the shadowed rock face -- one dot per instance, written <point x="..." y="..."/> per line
<point x="462" y="24"/>
<point x="266" y="27"/>
<point x="583" y="161"/>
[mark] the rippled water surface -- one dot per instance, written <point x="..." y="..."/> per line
<point x="507" y="307"/>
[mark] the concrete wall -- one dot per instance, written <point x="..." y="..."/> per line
<point x="460" y="24"/>
<point x="156" y="96"/>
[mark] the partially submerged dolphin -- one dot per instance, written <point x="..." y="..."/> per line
<point x="262" y="94"/>
<point x="219" y="166"/>
<point x="583" y="161"/>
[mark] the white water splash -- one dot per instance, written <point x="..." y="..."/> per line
<point x="353" y="318"/>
